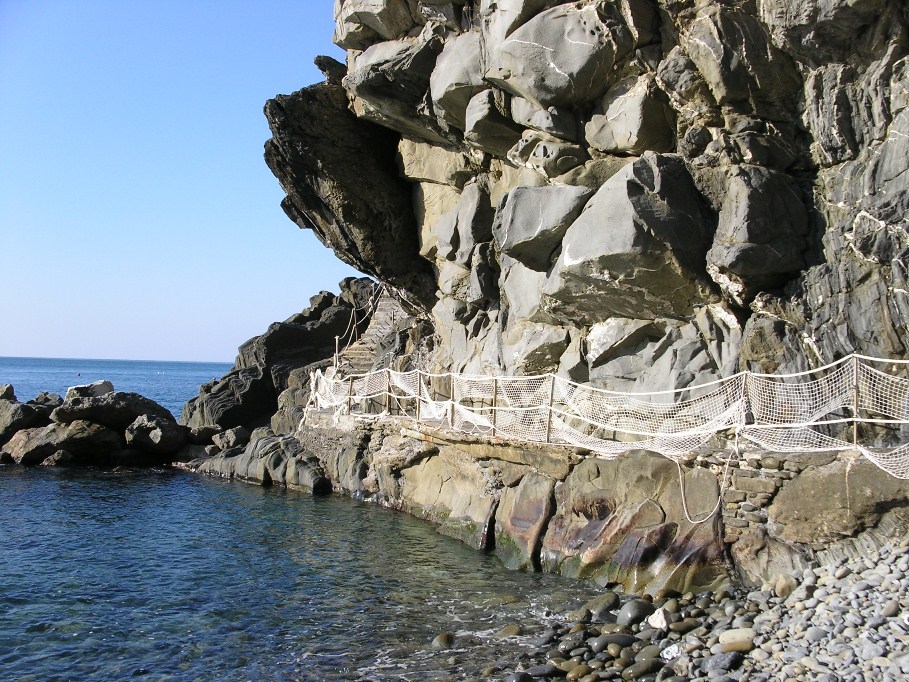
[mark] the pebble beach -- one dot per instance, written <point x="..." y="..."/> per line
<point x="844" y="622"/>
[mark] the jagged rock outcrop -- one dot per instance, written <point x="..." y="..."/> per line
<point x="280" y="360"/>
<point x="373" y="229"/>
<point x="635" y="194"/>
<point x="268" y="459"/>
<point x="562" y="166"/>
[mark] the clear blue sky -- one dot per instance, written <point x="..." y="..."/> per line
<point x="137" y="217"/>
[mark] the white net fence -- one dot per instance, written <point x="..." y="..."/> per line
<point x="857" y="403"/>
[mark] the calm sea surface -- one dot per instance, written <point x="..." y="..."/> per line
<point x="169" y="383"/>
<point x="165" y="575"/>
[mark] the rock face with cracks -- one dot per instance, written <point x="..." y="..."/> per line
<point x="506" y="165"/>
<point x="634" y="194"/>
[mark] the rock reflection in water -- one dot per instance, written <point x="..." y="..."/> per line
<point x="106" y="575"/>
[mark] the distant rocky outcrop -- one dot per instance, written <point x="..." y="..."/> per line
<point x="637" y="194"/>
<point x="95" y="426"/>
<point x="272" y="369"/>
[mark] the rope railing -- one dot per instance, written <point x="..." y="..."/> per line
<point x="351" y="332"/>
<point x="850" y="404"/>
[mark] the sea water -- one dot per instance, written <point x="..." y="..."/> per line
<point x="166" y="575"/>
<point x="169" y="383"/>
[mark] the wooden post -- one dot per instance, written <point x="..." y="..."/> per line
<point x="451" y="392"/>
<point x="387" y="390"/>
<point x="549" y="411"/>
<point x="495" y="404"/>
<point x="336" y="352"/>
<point x="349" y="394"/>
<point x="855" y="399"/>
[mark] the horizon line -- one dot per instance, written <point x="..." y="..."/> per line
<point x="44" y="357"/>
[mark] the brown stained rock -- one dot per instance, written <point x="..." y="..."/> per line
<point x="622" y="521"/>
<point x="450" y="489"/>
<point x="521" y="519"/>
<point x="847" y="497"/>
<point x="759" y="557"/>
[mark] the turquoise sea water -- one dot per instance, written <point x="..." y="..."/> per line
<point x="165" y="575"/>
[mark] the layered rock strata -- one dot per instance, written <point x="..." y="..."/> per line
<point x="272" y="370"/>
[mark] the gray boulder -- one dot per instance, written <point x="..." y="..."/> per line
<point x="116" y="410"/>
<point x="468" y="224"/>
<point x="457" y="77"/>
<point x="761" y="236"/>
<point x="88" y="443"/>
<point x="501" y="17"/>
<point x="360" y="23"/>
<point x="563" y="56"/>
<point x="155" y="436"/>
<point x="7" y="392"/>
<point x="637" y="250"/>
<point x="534" y="348"/>
<point x="15" y="416"/>
<point x="532" y="221"/>
<point x="633" y="117"/>
<point x="232" y="438"/>
<point x="487" y="126"/>
<point x="390" y="81"/>
<point x="93" y="390"/>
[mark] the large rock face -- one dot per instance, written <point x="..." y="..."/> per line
<point x="563" y="166"/>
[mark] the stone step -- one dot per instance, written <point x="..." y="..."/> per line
<point x="360" y="356"/>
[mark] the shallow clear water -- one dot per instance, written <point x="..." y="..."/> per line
<point x="166" y="575"/>
<point x="170" y="384"/>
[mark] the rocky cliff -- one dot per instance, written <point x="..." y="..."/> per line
<point x="632" y="193"/>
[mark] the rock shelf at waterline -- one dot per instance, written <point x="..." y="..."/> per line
<point x="846" y="621"/>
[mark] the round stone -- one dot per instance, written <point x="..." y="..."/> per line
<point x="737" y="639"/>
<point x="890" y="609"/>
<point x="443" y="640"/>
<point x="512" y="630"/>
<point x="816" y="634"/>
<point x="634" y="612"/>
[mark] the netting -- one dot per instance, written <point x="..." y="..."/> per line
<point x="851" y="404"/>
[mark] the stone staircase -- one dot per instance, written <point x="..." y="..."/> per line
<point x="359" y="357"/>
